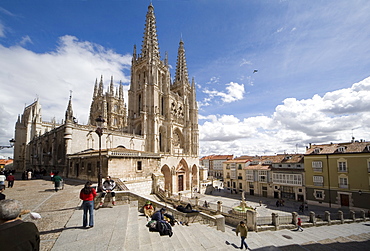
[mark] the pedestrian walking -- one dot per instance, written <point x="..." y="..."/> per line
<point x="2" y="178"/>
<point x="57" y="181"/>
<point x="299" y="225"/>
<point x="2" y="196"/>
<point x="29" y="175"/>
<point x="88" y="194"/>
<point x="243" y="230"/>
<point x="10" y="180"/>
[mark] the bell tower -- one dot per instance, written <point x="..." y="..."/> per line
<point x="149" y="88"/>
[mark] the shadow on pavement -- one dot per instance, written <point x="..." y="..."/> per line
<point x="62" y="209"/>
<point x="58" y="230"/>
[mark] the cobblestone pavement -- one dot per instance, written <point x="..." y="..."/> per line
<point x="56" y="208"/>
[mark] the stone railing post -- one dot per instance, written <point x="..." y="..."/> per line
<point x="363" y="215"/>
<point x="313" y="218"/>
<point x="340" y="216"/>
<point x="179" y="197"/>
<point x="275" y="220"/>
<point x="294" y="218"/>
<point x="352" y="215"/>
<point x="219" y="207"/>
<point x="327" y="217"/>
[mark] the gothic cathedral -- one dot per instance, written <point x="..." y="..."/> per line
<point x="155" y="135"/>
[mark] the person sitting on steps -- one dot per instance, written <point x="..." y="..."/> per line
<point x="148" y="210"/>
<point x="108" y="187"/>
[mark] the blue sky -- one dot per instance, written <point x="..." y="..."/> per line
<point x="312" y="57"/>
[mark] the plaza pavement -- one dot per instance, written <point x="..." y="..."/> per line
<point x="123" y="228"/>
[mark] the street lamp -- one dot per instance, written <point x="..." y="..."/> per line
<point x="99" y="131"/>
<point x="11" y="142"/>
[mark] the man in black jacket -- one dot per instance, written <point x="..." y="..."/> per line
<point x="16" y="234"/>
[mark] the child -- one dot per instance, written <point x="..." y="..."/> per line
<point x="242" y="228"/>
<point x="299" y="224"/>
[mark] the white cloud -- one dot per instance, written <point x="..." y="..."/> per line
<point x="74" y="65"/>
<point x="234" y="92"/>
<point x="245" y="62"/>
<point x="2" y="30"/>
<point x="294" y="124"/>
<point x="213" y="81"/>
<point x="25" y="40"/>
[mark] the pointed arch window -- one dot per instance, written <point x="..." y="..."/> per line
<point x="139" y="106"/>
<point x="162" y="105"/>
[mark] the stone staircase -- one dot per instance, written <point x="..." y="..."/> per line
<point x="123" y="228"/>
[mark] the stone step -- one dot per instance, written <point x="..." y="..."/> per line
<point x="124" y="228"/>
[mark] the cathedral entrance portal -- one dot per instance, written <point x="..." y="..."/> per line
<point x="180" y="183"/>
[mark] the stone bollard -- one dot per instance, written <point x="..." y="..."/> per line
<point x="294" y="218"/>
<point x="179" y="197"/>
<point x="313" y="218"/>
<point x="327" y="217"/>
<point x="340" y="216"/>
<point x="275" y="220"/>
<point x="219" y="207"/>
<point x="352" y="215"/>
<point x="363" y="215"/>
<point x="196" y="202"/>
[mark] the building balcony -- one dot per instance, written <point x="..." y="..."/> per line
<point x="318" y="184"/>
<point x="343" y="186"/>
<point x="317" y="170"/>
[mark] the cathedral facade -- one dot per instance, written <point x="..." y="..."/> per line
<point x="154" y="135"/>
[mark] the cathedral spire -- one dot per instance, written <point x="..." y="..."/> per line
<point x="69" y="112"/>
<point x="120" y="90"/>
<point x="150" y="46"/>
<point x="111" y="88"/>
<point x="134" y="54"/>
<point x="181" y="74"/>
<point x="166" y="59"/>
<point x="96" y="88"/>
<point x="101" y="87"/>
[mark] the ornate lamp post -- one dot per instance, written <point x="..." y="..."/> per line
<point x="11" y="142"/>
<point x="99" y="131"/>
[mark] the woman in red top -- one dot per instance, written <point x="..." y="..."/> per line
<point x="88" y="194"/>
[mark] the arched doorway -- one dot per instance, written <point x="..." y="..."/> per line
<point x="167" y="178"/>
<point x="183" y="176"/>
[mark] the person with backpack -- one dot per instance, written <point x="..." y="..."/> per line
<point x="162" y="226"/>
<point x="87" y="194"/>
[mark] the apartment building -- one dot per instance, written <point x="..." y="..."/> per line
<point x="279" y="176"/>
<point x="338" y="175"/>
<point x="214" y="163"/>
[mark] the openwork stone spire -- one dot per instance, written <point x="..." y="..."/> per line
<point x="150" y="43"/>
<point x="181" y="68"/>
<point x="69" y="112"/>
